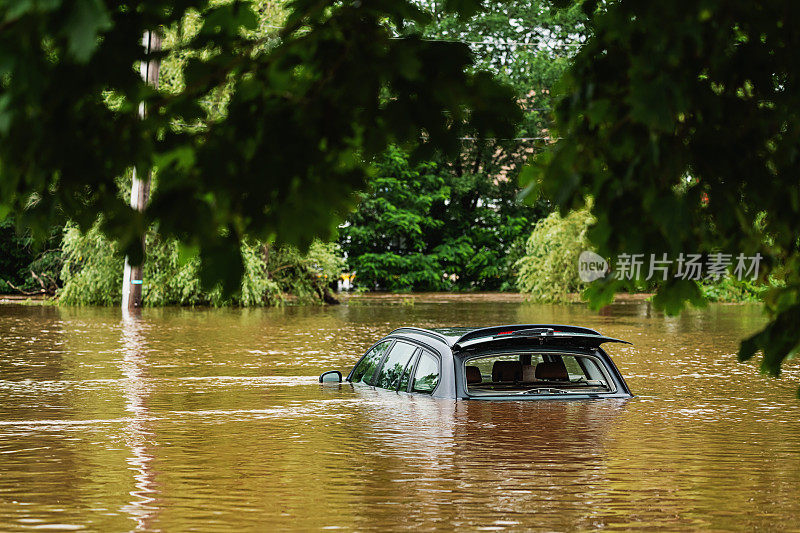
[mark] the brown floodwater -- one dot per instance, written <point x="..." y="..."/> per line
<point x="212" y="419"/>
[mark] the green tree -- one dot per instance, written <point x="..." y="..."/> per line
<point x="527" y="43"/>
<point x="680" y="119"/>
<point x="385" y="239"/>
<point x="547" y="271"/>
<point x="300" y="118"/>
<point x="426" y="227"/>
<point x="454" y="222"/>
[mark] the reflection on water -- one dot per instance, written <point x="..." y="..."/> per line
<point x="213" y="419"/>
<point x="136" y="390"/>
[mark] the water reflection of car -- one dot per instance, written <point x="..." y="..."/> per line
<point x="519" y="362"/>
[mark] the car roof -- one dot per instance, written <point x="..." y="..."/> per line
<point x="452" y="336"/>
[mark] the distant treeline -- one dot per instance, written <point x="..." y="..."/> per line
<point x="439" y="224"/>
<point x="86" y="269"/>
<point x="445" y="223"/>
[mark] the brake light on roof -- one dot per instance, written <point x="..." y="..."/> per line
<point x="506" y="332"/>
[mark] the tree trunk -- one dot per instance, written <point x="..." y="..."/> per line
<point x="140" y="188"/>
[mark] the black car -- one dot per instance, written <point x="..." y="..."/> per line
<point x="518" y="362"/>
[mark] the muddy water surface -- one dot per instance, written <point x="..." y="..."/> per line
<point x="213" y="420"/>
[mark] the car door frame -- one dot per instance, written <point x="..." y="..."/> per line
<point x="421" y="347"/>
<point x="414" y="358"/>
<point x="380" y="363"/>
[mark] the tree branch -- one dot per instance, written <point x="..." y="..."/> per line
<point x="26" y="293"/>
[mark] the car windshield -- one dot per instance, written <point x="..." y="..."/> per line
<point x="536" y="373"/>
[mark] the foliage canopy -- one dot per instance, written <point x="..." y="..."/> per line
<point x="682" y="120"/>
<point x="302" y="117"/>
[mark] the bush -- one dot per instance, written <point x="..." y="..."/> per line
<point x="730" y="289"/>
<point x="305" y="276"/>
<point x="92" y="269"/>
<point x="171" y="278"/>
<point x="93" y="266"/>
<point x="549" y="270"/>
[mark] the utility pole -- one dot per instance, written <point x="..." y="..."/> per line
<point x="140" y="188"/>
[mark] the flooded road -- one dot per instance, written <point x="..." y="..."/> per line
<point x="213" y="420"/>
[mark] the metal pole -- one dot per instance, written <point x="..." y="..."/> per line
<point x="140" y="188"/>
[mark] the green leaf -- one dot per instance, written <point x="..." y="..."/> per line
<point x="87" y="20"/>
<point x="187" y="253"/>
<point x="778" y="341"/>
<point x="7" y="62"/>
<point x="5" y="113"/>
<point x="19" y="8"/>
<point x="464" y="8"/>
<point x="229" y="19"/>
<point x="221" y="263"/>
<point x="672" y="297"/>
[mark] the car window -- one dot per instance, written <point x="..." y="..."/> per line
<point x="486" y="365"/>
<point x="426" y="375"/>
<point x="506" y="373"/>
<point x="404" y="379"/>
<point x="592" y="370"/>
<point x="394" y="365"/>
<point x="365" y="369"/>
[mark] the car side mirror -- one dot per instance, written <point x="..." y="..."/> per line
<point x="331" y="376"/>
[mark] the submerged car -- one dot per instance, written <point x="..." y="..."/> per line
<point x="517" y="362"/>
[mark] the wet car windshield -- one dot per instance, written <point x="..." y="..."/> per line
<point x="536" y="373"/>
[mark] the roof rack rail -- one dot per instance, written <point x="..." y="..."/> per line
<point x="494" y="330"/>
<point x="421" y="331"/>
